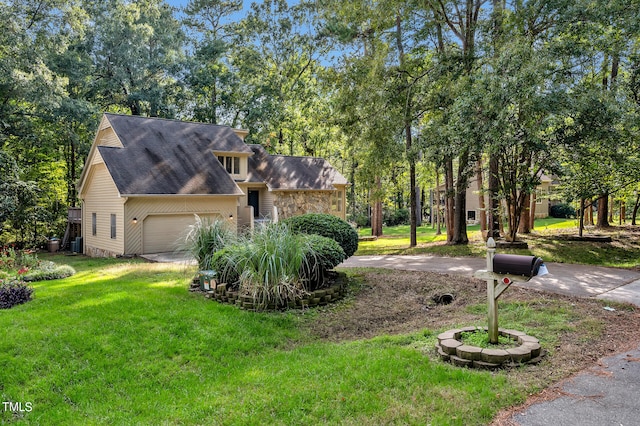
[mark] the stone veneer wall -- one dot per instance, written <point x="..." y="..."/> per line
<point x="98" y="252"/>
<point x="300" y="202"/>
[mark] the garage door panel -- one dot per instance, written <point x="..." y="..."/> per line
<point x="165" y="233"/>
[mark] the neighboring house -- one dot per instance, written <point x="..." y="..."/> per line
<point x="542" y="201"/>
<point x="146" y="178"/>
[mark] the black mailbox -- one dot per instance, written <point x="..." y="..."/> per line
<point x="515" y="264"/>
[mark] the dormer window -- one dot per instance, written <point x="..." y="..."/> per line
<point x="231" y="164"/>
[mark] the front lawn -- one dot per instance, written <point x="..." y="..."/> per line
<point x="124" y="342"/>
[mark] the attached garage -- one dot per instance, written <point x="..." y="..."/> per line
<point x="164" y="232"/>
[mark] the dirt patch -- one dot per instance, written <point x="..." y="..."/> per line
<point x="401" y="302"/>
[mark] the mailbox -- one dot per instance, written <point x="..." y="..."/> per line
<point x="514" y="264"/>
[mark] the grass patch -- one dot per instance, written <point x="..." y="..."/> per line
<point x="124" y="342"/>
<point x="480" y="339"/>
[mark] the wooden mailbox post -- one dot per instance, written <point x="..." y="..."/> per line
<point x="497" y="282"/>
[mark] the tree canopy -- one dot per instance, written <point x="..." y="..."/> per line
<point x="393" y="93"/>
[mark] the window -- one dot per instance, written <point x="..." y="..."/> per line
<point x="231" y="164"/>
<point x="113" y="226"/>
<point x="336" y="201"/>
<point x="94" y="224"/>
<point x="471" y="215"/>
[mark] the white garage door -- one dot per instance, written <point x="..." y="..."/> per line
<point x="165" y="233"/>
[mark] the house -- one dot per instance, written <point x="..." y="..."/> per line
<point x="145" y="178"/>
<point x="542" y="200"/>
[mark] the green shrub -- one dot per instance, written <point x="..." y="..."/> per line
<point x="205" y="237"/>
<point x="396" y="217"/>
<point x="563" y="211"/>
<point x="328" y="226"/>
<point x="27" y="259"/>
<point x="328" y="252"/>
<point x="48" y="273"/>
<point x="325" y="255"/>
<point x="13" y="293"/>
<point x="361" y="220"/>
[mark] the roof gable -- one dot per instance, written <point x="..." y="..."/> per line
<point x="161" y="156"/>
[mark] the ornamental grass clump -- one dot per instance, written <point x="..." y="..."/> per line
<point x="205" y="237"/>
<point x="271" y="266"/>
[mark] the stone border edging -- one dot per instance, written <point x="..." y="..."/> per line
<point x="450" y="348"/>
<point x="318" y="297"/>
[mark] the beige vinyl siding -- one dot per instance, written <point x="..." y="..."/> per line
<point x="96" y="158"/>
<point x="142" y="208"/>
<point x="102" y="198"/>
<point x="266" y="203"/>
<point x="107" y="137"/>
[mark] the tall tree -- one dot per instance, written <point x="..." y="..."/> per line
<point x="136" y="50"/>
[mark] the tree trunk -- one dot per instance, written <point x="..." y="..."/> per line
<point x="481" y="203"/>
<point x="525" y="216"/>
<point x="460" y="211"/>
<point x="532" y="218"/>
<point x="581" y="227"/>
<point x="419" y="202"/>
<point x="449" y="198"/>
<point x="437" y="204"/>
<point x="590" y="213"/>
<point x="352" y="189"/>
<point x="603" y="211"/>
<point x="610" y="209"/>
<point x="493" y="228"/>
<point x="623" y="213"/>
<point x="376" y="211"/>
<point x="408" y="140"/>
<point x="635" y="210"/>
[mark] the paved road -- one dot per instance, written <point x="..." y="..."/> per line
<point x="577" y="280"/>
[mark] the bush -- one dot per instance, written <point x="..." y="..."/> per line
<point x="328" y="252"/>
<point x="325" y="254"/>
<point x="563" y="211"/>
<point x="361" y="220"/>
<point x="205" y="237"/>
<point x="326" y="225"/>
<point x="396" y="217"/>
<point x="49" y="273"/>
<point x="14" y="293"/>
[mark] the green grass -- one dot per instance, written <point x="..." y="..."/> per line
<point x="123" y="342"/>
<point x="624" y="252"/>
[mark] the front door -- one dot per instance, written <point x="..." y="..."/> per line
<point x="254" y="200"/>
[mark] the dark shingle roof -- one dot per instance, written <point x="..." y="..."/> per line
<point x="285" y="173"/>
<point x="170" y="157"/>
